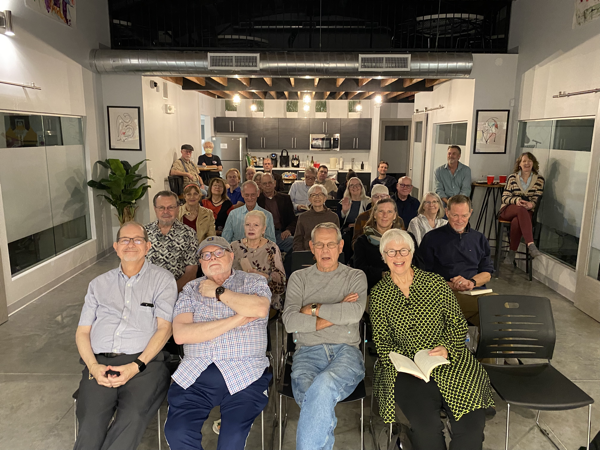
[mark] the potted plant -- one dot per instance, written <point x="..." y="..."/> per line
<point x="230" y="109"/>
<point x="321" y="109"/>
<point x="291" y="108"/>
<point x="259" y="108"/>
<point x="354" y="109"/>
<point x="122" y="187"/>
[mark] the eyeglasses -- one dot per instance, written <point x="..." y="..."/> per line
<point x="379" y="196"/>
<point x="136" y="241"/>
<point x="167" y="208"/>
<point x="401" y="252"/>
<point x="310" y="178"/>
<point x="404" y="185"/>
<point x="433" y="202"/>
<point x="316" y="195"/>
<point x="330" y="245"/>
<point x="206" y="256"/>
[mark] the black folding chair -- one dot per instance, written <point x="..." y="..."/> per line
<point x="513" y="326"/>
<point x="176" y="184"/>
<point x="332" y="204"/>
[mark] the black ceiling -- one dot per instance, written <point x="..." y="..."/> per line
<point x="326" y="25"/>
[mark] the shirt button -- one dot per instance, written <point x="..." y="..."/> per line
<point x="128" y="285"/>
<point x="118" y="334"/>
<point x="127" y="301"/>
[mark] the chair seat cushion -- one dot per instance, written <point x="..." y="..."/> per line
<point x="536" y="386"/>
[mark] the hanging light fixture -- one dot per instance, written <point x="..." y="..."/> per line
<point x="253" y="107"/>
<point x="358" y="107"/>
<point x="306" y="107"/>
<point x="307" y="98"/>
<point x="6" y="23"/>
<point x="378" y="99"/>
<point x="236" y="99"/>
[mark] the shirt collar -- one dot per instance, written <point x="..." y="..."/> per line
<point x="452" y="230"/>
<point x="457" y="167"/>
<point x="137" y="275"/>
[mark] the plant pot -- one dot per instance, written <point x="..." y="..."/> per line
<point x="354" y="115"/>
<point x="321" y="115"/>
<point x="231" y="113"/>
<point x="258" y="114"/>
<point x="292" y="115"/>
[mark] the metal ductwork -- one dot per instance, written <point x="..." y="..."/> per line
<point x="277" y="64"/>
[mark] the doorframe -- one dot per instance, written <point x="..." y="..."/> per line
<point x="395" y="121"/>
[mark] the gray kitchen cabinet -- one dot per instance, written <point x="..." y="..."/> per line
<point x="263" y="134"/>
<point x="355" y="134"/>
<point x="294" y="134"/>
<point x="324" y="126"/>
<point x="235" y="125"/>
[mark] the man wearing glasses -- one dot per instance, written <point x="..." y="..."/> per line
<point x="125" y="322"/>
<point x="221" y="319"/>
<point x="299" y="190"/>
<point x="408" y="206"/>
<point x="185" y="167"/>
<point x="173" y="243"/>
<point x="323" y="307"/>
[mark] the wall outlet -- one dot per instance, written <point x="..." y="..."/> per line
<point x="170" y="109"/>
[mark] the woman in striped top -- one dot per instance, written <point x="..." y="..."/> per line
<point x="523" y="189"/>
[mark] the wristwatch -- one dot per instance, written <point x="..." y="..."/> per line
<point x="218" y="292"/>
<point x="313" y="309"/>
<point x="141" y="365"/>
<point x="472" y="280"/>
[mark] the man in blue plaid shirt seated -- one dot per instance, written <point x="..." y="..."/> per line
<point x="221" y="319"/>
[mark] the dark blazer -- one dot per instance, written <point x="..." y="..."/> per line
<point x="286" y="210"/>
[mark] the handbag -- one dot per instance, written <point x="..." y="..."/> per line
<point x="284" y="160"/>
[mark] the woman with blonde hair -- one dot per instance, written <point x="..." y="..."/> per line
<point x="218" y="202"/>
<point x="430" y="217"/>
<point x="354" y="202"/>
<point x="198" y="218"/>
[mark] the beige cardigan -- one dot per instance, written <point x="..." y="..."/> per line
<point x="205" y="222"/>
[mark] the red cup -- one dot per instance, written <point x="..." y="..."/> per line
<point x="490" y="179"/>
<point x="317" y="165"/>
<point x="502" y="178"/>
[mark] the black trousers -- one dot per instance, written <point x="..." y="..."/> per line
<point x="136" y="403"/>
<point x="421" y="404"/>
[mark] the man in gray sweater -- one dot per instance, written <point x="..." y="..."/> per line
<point x="324" y="304"/>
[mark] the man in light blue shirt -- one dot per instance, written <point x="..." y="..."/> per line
<point x="454" y="177"/>
<point x="234" y="227"/>
<point x="299" y="190"/>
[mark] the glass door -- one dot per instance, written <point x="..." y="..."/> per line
<point x="417" y="153"/>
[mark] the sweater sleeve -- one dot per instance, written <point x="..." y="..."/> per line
<point x="455" y="325"/>
<point x="381" y="328"/>
<point x="293" y="319"/>
<point x="511" y="191"/>
<point x="539" y="190"/>
<point x="346" y="313"/>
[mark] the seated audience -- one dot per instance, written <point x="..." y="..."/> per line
<point x="430" y="217"/>
<point x="520" y="197"/>
<point x="234" y="193"/>
<point x="234" y="227"/>
<point x="185" y="167"/>
<point x="459" y="254"/>
<point x="383" y="178"/>
<point x="324" y="304"/>
<point x="318" y="213"/>
<point x="378" y="192"/>
<point x="173" y="243"/>
<point x="322" y="178"/>
<point x="211" y="162"/>
<point x="354" y="203"/>
<point x="250" y="172"/>
<point x="257" y="254"/>
<point x="268" y="168"/>
<point x="453" y="178"/>
<point x="125" y="370"/>
<point x="408" y="206"/>
<point x="367" y="256"/>
<point x="198" y="218"/>
<point x="281" y="208"/>
<point x="413" y="310"/>
<point x="221" y="320"/>
<point x="299" y="190"/>
<point x="342" y="187"/>
<point x="218" y="203"/>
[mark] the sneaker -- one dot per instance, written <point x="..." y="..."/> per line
<point x="533" y="251"/>
<point x="510" y="257"/>
<point x="217" y="426"/>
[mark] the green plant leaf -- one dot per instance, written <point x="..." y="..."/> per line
<point x="97" y="185"/>
<point x="117" y="167"/>
<point x="137" y="166"/>
<point x="104" y="164"/>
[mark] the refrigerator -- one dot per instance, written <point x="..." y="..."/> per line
<point x="232" y="151"/>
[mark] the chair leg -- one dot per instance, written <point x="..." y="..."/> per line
<point x="75" y="416"/>
<point x="589" y="427"/>
<point x="159" y="440"/>
<point x="390" y="437"/>
<point x="362" y="424"/>
<point x="507" y="425"/>
<point x="498" y="254"/>
<point x="262" y="428"/>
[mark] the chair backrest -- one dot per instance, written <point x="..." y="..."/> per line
<point x="515" y="326"/>
<point x="303" y="259"/>
<point x="332" y="204"/>
<point x="176" y="184"/>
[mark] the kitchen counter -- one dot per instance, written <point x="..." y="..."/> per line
<point x="295" y="169"/>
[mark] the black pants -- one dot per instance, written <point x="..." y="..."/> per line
<point x="136" y="403"/>
<point x="421" y="404"/>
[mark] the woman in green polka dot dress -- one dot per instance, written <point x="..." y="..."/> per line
<point x="412" y="310"/>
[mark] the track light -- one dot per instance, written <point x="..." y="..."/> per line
<point x="358" y="107"/>
<point x="236" y="99"/>
<point x="253" y="107"/>
<point x="307" y="107"/>
<point x="378" y="99"/>
<point x="307" y="98"/>
<point x="6" y="23"/>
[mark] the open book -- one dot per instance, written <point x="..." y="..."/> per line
<point x="477" y="291"/>
<point x="422" y="365"/>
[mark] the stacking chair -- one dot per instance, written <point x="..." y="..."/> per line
<point x="285" y="389"/>
<point x="332" y="204"/>
<point x="514" y="326"/>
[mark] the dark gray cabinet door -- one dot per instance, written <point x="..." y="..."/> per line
<point x="222" y="125"/>
<point x="287" y="133"/>
<point x="270" y="133"/>
<point x="239" y="124"/>
<point x="324" y="126"/>
<point x="355" y="134"/>
<point x="332" y="126"/>
<point x="255" y="134"/>
<point x="302" y="134"/>
<point x="317" y="126"/>
<point x="363" y="134"/>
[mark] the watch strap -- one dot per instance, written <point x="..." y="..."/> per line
<point x="472" y="280"/>
<point x="141" y="364"/>
<point x="313" y="309"/>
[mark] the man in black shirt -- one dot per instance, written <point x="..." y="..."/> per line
<point x="209" y="161"/>
<point x="383" y="178"/>
<point x="408" y="206"/>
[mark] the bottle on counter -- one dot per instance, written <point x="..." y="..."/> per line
<point x="362" y="165"/>
<point x="341" y="163"/>
<point x="312" y="161"/>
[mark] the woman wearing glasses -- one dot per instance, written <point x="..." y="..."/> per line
<point x="198" y="218"/>
<point x="318" y="213"/>
<point x="355" y="202"/>
<point x="430" y="217"/>
<point x="257" y="254"/>
<point x="413" y="310"/>
<point x="367" y="256"/>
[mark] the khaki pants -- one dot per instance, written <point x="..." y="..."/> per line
<point x="469" y="306"/>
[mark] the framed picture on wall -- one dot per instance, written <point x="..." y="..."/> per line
<point x="492" y="128"/>
<point x="124" y="128"/>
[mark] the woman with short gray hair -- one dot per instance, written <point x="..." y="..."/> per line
<point x="318" y="213"/>
<point x="430" y="217"/>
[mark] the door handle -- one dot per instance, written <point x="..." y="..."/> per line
<point x="356" y="142"/>
<point x="233" y="122"/>
<point x="230" y="126"/>
<point x="326" y="127"/>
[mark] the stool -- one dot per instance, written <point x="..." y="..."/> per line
<point x="505" y="225"/>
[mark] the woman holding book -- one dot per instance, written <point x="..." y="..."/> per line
<point x="413" y="310"/>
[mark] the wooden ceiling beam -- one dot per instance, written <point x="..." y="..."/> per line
<point x="221" y="94"/>
<point x="261" y="94"/>
<point x="402" y="95"/>
<point x="365" y="95"/>
<point x="363" y="81"/>
<point x="198" y="80"/>
<point x="387" y="81"/>
<point x="245" y="81"/>
<point x="431" y="82"/>
<point x="273" y="94"/>
<point x="338" y="82"/>
<point x="410" y="81"/>
<point x="176" y="80"/>
<point x="220" y="80"/>
<point x="338" y="95"/>
<point x="325" y="95"/>
<point x="316" y="82"/>
<point x="292" y="82"/>
<point x="269" y="81"/>
<point x="287" y="95"/>
<point x="246" y="94"/>
<point x="351" y="95"/>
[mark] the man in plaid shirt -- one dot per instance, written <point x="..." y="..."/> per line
<point x="221" y="319"/>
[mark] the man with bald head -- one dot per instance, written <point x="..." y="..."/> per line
<point x="125" y="322"/>
<point x="408" y="206"/>
<point x="282" y="209"/>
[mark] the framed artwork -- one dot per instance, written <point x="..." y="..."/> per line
<point x="492" y="128"/>
<point x="124" y="128"/>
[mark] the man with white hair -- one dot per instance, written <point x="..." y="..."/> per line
<point x="323" y="307"/>
<point x="281" y="208"/>
<point x="299" y="190"/>
<point x="221" y="320"/>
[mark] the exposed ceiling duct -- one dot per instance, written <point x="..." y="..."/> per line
<point x="277" y="64"/>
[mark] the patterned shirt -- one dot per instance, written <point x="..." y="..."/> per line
<point x="113" y="307"/>
<point x="239" y="354"/>
<point x="174" y="251"/>
<point x="190" y="168"/>
<point x="447" y="185"/>
<point x="234" y="227"/>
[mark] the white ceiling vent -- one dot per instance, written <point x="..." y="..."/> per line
<point x="384" y="63"/>
<point x="236" y="61"/>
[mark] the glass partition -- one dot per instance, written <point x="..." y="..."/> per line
<point x="44" y="190"/>
<point x="446" y="134"/>
<point x="563" y="149"/>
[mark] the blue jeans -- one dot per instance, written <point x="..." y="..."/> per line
<point x="323" y="375"/>
<point x="285" y="245"/>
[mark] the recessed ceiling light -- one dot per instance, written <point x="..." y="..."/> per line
<point x="236" y="99"/>
<point x="307" y="107"/>
<point x="378" y="99"/>
<point x="253" y="107"/>
<point x="358" y="107"/>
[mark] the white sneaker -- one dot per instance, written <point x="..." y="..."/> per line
<point x="217" y="426"/>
